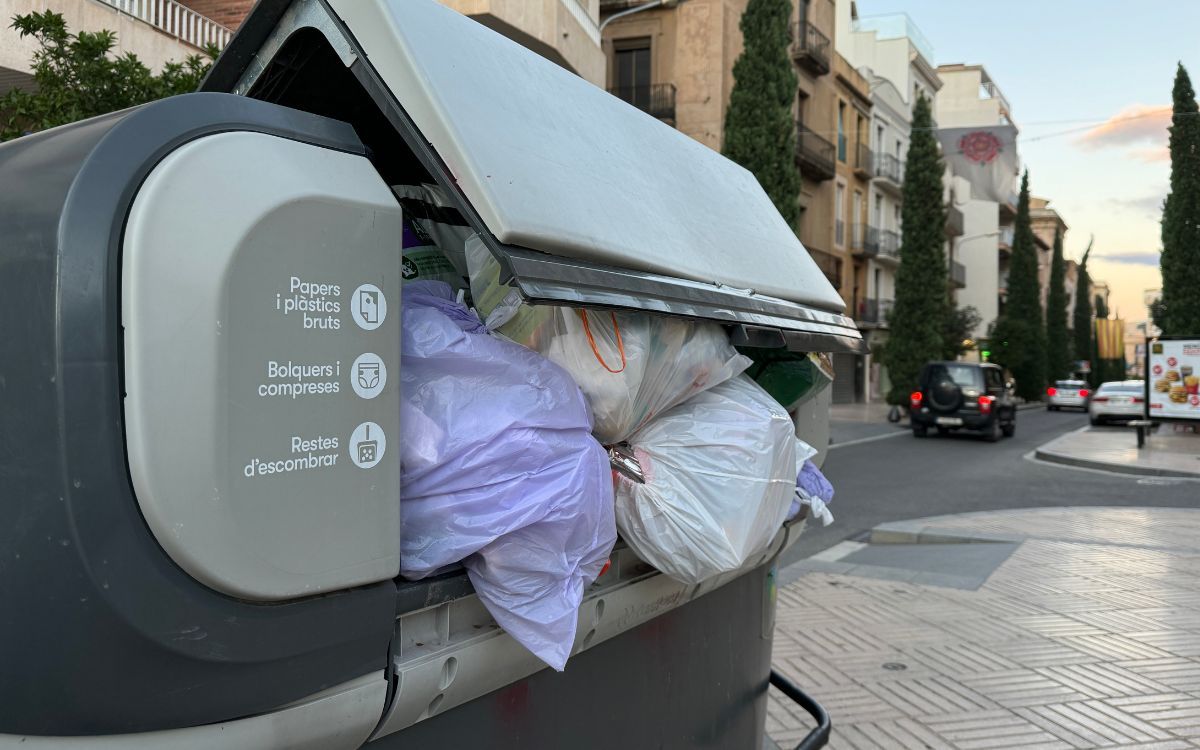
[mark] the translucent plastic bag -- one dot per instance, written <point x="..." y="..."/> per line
<point x="631" y="366"/>
<point x="720" y="474"/>
<point x="500" y="471"/>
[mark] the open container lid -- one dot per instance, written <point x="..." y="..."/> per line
<point x="584" y="199"/>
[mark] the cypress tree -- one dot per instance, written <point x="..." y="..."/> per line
<point x="760" y="129"/>
<point x="1021" y="329"/>
<point x="1180" y="263"/>
<point x="1058" y="353"/>
<point x="919" y="316"/>
<point x="1082" y="322"/>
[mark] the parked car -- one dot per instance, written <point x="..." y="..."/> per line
<point x="1073" y="394"/>
<point x="1119" y="400"/>
<point x="963" y="396"/>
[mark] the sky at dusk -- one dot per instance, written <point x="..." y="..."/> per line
<point x="1089" y="82"/>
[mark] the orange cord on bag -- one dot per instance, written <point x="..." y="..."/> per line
<point x="591" y="340"/>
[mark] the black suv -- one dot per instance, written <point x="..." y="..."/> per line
<point x="963" y="396"/>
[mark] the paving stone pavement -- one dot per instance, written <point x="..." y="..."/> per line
<point x="1087" y="636"/>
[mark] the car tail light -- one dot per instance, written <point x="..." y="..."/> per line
<point x="985" y="404"/>
<point x="1138" y="400"/>
<point x="1100" y="399"/>
<point x="1084" y="393"/>
<point x="1051" y="391"/>
<point x="915" y="399"/>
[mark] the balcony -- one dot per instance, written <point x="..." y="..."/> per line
<point x="954" y="223"/>
<point x="1005" y="241"/>
<point x="656" y="100"/>
<point x="870" y="242"/>
<point x="890" y="172"/>
<point x="875" y="311"/>
<point x="814" y="155"/>
<point x="810" y="49"/>
<point x="958" y="274"/>
<point x="177" y="20"/>
<point x="862" y="161"/>
<point x="989" y="90"/>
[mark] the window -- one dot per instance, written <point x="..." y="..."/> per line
<point x="631" y="71"/>
<point x="877" y="290"/>
<point x="896" y="218"/>
<point x="803" y="10"/>
<point x="878" y="223"/>
<point x="899" y="148"/>
<point x="994" y="378"/>
<point x="879" y="137"/>
<point x="839" y="210"/>
<point x="856" y="218"/>
<point x="841" y="134"/>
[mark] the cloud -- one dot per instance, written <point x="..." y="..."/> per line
<point x="1152" y="154"/>
<point x="1149" y="206"/>
<point x="1136" y="124"/>
<point x="1132" y="259"/>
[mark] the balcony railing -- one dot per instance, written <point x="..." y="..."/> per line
<point x="954" y="222"/>
<point x="814" y="154"/>
<point x="989" y="90"/>
<point x="889" y="167"/>
<point x="862" y="160"/>
<point x="656" y="100"/>
<point x="958" y="274"/>
<point x="176" y="19"/>
<point x="810" y="48"/>
<point x="875" y="311"/>
<point x="889" y="244"/>
<point x="1006" y="239"/>
<point x="872" y="242"/>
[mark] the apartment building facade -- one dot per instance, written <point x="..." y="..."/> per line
<point x="896" y="60"/>
<point x="970" y="98"/>
<point x="1045" y="221"/>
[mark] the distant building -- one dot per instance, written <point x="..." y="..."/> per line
<point x="157" y="32"/>
<point x="970" y="98"/>
<point x="896" y="61"/>
<point x="1045" y="221"/>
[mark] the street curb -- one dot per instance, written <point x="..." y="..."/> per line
<point x="1088" y="463"/>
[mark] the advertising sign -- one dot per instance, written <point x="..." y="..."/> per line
<point x="1173" y="379"/>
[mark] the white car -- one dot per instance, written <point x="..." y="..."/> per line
<point x="1118" y="400"/>
<point x="1068" y="393"/>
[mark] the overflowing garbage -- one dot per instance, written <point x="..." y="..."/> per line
<point x="532" y="435"/>
<point x="720" y="475"/>
<point x="499" y="471"/>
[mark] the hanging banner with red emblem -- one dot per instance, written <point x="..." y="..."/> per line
<point x="986" y="157"/>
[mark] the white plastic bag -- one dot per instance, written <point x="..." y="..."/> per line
<point x="720" y="474"/>
<point x="632" y="366"/>
<point x="499" y="471"/>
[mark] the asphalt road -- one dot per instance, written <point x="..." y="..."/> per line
<point x="902" y="477"/>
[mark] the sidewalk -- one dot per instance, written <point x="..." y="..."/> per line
<point x="1166" y="454"/>
<point x="1065" y="628"/>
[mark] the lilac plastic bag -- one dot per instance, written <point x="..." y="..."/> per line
<point x="500" y="471"/>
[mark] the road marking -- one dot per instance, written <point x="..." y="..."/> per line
<point x="871" y="439"/>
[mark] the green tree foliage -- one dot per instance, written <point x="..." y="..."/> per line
<point x="760" y="129"/>
<point x="1020" y="332"/>
<point x="918" y="320"/>
<point x="960" y="326"/>
<point x="1081" y="325"/>
<point x="1158" y="315"/>
<point x="77" y="77"/>
<point x="1058" y="347"/>
<point x="1180" y="261"/>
